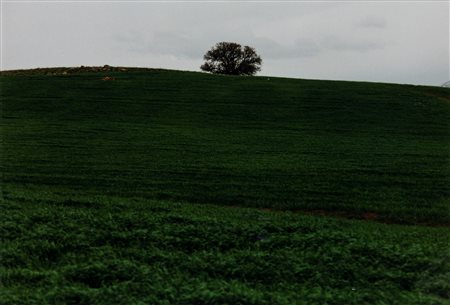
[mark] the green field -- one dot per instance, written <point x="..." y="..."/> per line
<point x="169" y="187"/>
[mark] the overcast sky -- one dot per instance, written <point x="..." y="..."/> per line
<point x="387" y="41"/>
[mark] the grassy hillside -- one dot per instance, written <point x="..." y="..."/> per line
<point x="61" y="249"/>
<point x="101" y="181"/>
<point x="347" y="147"/>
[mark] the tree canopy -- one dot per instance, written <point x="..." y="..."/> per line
<point x="231" y="58"/>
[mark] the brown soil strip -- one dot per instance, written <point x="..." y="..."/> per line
<point x="365" y="216"/>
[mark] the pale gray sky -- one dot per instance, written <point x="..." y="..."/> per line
<point x="387" y="41"/>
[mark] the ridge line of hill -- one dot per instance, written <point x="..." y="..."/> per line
<point x="115" y="69"/>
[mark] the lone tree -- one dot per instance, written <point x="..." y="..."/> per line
<point x="231" y="58"/>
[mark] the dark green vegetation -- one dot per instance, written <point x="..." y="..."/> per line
<point x="59" y="249"/>
<point x="102" y="180"/>
<point x="276" y="143"/>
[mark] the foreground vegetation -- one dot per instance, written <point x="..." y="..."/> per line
<point x="59" y="249"/>
<point x="103" y="170"/>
